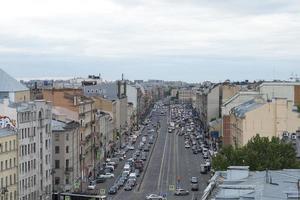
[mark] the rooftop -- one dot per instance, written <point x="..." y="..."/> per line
<point x="248" y="106"/>
<point x="258" y="185"/>
<point x="6" y="132"/>
<point x="9" y="84"/>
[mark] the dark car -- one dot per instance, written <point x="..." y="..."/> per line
<point x="100" y="180"/>
<point x="113" y="190"/>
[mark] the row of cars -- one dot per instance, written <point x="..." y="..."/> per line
<point x="133" y="166"/>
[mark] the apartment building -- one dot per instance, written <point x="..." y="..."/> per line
<point x="71" y="104"/>
<point x="266" y="118"/>
<point x="32" y="120"/>
<point x="65" y="155"/>
<point x="33" y="124"/>
<point x="8" y="164"/>
<point x="236" y="100"/>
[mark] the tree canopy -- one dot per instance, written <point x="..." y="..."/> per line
<point x="259" y="154"/>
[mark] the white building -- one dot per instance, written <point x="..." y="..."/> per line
<point x="288" y="90"/>
<point x="33" y="123"/>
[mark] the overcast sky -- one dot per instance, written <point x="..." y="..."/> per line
<point x="190" y="40"/>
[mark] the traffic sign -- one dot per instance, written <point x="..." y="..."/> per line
<point x="172" y="187"/>
<point x="67" y="198"/>
<point x="102" y="191"/>
<point x="76" y="185"/>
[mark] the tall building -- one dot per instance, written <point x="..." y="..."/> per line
<point x="32" y="120"/>
<point x="8" y="164"/>
<point x="65" y="155"/>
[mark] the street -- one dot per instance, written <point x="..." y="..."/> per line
<point x="170" y="163"/>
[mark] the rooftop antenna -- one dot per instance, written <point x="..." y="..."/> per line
<point x="122" y="77"/>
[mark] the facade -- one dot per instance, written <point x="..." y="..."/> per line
<point x="271" y="118"/>
<point x="33" y="124"/>
<point x="213" y="103"/>
<point x="65" y="155"/>
<point x="288" y="90"/>
<point x="72" y="104"/>
<point x="9" y="164"/>
<point x="236" y="100"/>
<point x="186" y="95"/>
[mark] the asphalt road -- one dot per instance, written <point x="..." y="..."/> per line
<point x="170" y="162"/>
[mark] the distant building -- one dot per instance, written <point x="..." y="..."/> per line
<point x="9" y="163"/>
<point x="288" y="90"/>
<point x="240" y="183"/>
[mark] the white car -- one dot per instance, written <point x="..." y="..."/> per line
<point x="131" y="147"/>
<point x="155" y="196"/>
<point x="92" y="185"/>
<point x="107" y="175"/>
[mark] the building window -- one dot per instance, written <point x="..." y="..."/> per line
<point x="56" y="149"/>
<point x="67" y="149"/>
<point x="56" y="137"/>
<point x="57" y="180"/>
<point x="67" y="163"/>
<point x="56" y="164"/>
<point x="67" y="137"/>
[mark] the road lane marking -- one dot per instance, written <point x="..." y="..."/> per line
<point x="162" y="162"/>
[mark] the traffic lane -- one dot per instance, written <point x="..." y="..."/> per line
<point x="134" y="194"/>
<point x="189" y="167"/>
<point x="150" y="182"/>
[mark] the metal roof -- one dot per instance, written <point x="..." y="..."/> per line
<point x="6" y="132"/>
<point x="9" y="84"/>
<point x="248" y="106"/>
<point x="260" y="185"/>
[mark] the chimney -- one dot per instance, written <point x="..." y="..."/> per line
<point x="267" y="176"/>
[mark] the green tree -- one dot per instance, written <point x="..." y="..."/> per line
<point x="259" y="153"/>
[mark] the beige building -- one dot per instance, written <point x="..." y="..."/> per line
<point x="8" y="164"/>
<point x="267" y="119"/>
<point x="236" y="100"/>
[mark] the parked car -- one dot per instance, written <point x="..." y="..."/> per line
<point x="194" y="179"/>
<point x="100" y="180"/>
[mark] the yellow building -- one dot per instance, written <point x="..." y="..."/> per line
<point x="8" y="164"/>
<point x="271" y="118"/>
